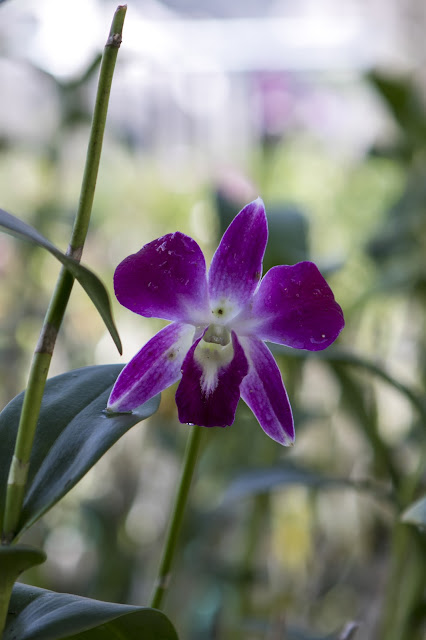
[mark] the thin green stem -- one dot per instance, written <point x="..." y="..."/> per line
<point x="97" y="132"/>
<point x="254" y="536"/>
<point x="43" y="353"/>
<point x="175" y="522"/>
<point x="6" y="585"/>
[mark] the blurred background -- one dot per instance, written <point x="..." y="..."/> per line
<point x="319" y="107"/>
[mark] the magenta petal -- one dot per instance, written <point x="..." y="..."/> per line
<point x="211" y="403"/>
<point x="156" y="366"/>
<point x="236" y="266"/>
<point x="165" y="279"/>
<point x="294" y="306"/>
<point x="263" y="391"/>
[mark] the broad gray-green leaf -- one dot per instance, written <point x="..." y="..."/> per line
<point x="73" y="433"/>
<point x="38" y="614"/>
<point x="88" y="280"/>
<point x="416" y="513"/>
<point x="273" y="478"/>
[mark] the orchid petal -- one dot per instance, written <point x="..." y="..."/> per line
<point x="263" y="391"/>
<point x="165" y="279"/>
<point x="293" y="306"/>
<point x="236" y="266"/>
<point x="209" y="391"/>
<point x="157" y="365"/>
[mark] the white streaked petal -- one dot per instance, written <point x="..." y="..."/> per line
<point x="157" y="365"/>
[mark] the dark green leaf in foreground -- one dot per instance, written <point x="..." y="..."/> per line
<point x="416" y="513"/>
<point x="274" y="478"/>
<point x="88" y="280"/>
<point x="37" y="614"/>
<point x="73" y="433"/>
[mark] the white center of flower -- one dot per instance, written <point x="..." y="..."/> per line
<point x="213" y="352"/>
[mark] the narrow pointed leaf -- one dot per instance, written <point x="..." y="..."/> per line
<point x="275" y="478"/>
<point x="38" y="614"/>
<point x="261" y="628"/>
<point x="416" y="513"/>
<point x="88" y="280"/>
<point x="73" y="433"/>
<point x="341" y="356"/>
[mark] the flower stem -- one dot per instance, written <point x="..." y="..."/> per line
<point x="43" y="352"/>
<point x="6" y="585"/>
<point x="163" y="578"/>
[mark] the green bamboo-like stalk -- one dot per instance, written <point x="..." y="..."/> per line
<point x="190" y="459"/>
<point x="43" y="352"/>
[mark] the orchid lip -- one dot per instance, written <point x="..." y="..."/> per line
<point x="212" y="355"/>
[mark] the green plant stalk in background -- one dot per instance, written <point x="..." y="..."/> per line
<point x="190" y="459"/>
<point x="403" y="607"/>
<point x="43" y="352"/>
<point x="404" y="597"/>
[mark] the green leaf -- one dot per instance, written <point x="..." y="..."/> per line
<point x="288" y="236"/>
<point x="288" y="230"/>
<point x="269" y="479"/>
<point x="364" y="411"/>
<point x="404" y="102"/>
<point x="416" y="513"/>
<point x="38" y="614"/>
<point x="263" y="628"/>
<point x="13" y="561"/>
<point x="72" y="434"/>
<point x="88" y="280"/>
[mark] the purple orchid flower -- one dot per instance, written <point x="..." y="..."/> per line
<point x="219" y="322"/>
